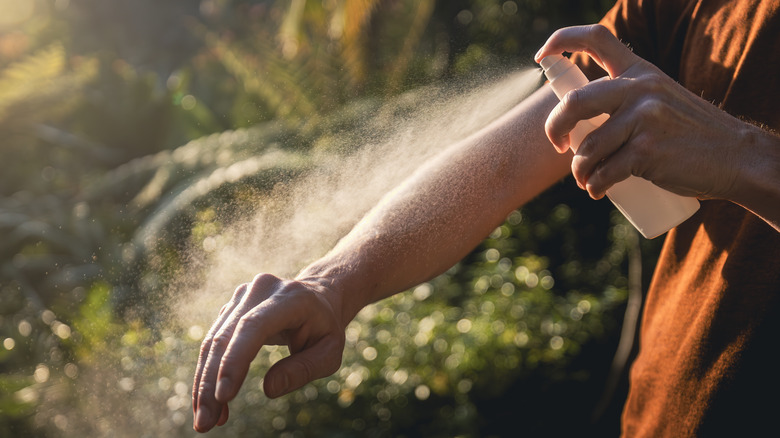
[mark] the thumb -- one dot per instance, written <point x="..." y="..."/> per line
<point x="320" y="360"/>
<point x="595" y="40"/>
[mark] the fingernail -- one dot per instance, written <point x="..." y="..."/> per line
<point x="536" y="57"/>
<point x="202" y="418"/>
<point x="222" y="391"/>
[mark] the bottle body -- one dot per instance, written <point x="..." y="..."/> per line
<point x="649" y="208"/>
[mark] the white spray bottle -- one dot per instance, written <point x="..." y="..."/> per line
<point x="651" y="209"/>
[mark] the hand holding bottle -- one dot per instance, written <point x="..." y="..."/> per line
<point x="657" y="130"/>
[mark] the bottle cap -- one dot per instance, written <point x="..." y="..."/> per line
<point x="549" y="60"/>
<point x="555" y="65"/>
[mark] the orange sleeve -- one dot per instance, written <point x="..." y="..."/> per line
<point x="635" y="23"/>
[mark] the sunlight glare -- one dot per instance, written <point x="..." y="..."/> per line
<point x="13" y="12"/>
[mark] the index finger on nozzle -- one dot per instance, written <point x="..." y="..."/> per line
<point x="595" y="40"/>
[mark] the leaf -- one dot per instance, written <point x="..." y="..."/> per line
<point x="269" y="168"/>
<point x="40" y="85"/>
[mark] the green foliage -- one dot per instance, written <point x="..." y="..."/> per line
<point x="423" y="363"/>
<point x="34" y="90"/>
<point x="126" y="147"/>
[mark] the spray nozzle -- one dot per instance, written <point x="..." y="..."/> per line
<point x="548" y="61"/>
<point x="556" y="65"/>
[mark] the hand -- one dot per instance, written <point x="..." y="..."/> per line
<point x="657" y="129"/>
<point x="268" y="311"/>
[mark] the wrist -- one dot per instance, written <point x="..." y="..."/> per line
<point x="758" y="182"/>
<point x="332" y="283"/>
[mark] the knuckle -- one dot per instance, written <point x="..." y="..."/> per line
<point x="229" y="305"/>
<point x="578" y="167"/>
<point x="266" y="285"/>
<point x="650" y="108"/>
<point x="557" y="34"/>
<point x="259" y="288"/>
<point x="247" y="319"/>
<point x="240" y="290"/>
<point x="215" y="328"/>
<point x="205" y="347"/>
<point x="238" y="294"/>
<point x="652" y="83"/>
<point x="259" y="278"/>
<point x="221" y="340"/>
<point x="263" y="279"/>
<point x="248" y="322"/>
<point x="205" y="391"/>
<point x="643" y="148"/>
<point x="572" y="99"/>
<point x="588" y="144"/>
<point x="600" y="33"/>
<point x="251" y="322"/>
<point x="261" y="283"/>
<point x="294" y="290"/>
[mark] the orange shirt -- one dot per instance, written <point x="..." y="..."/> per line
<point x="711" y="324"/>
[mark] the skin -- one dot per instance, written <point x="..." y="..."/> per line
<point x="406" y="239"/>
<point x="468" y="190"/>
<point x="660" y="131"/>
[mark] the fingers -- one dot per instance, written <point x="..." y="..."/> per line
<point x="208" y="410"/>
<point x="595" y="40"/>
<point x="276" y="315"/>
<point x="223" y="416"/>
<point x="643" y="117"/>
<point x="206" y="345"/>
<point x="595" y="98"/>
<point x="592" y="100"/>
<point x="269" y="310"/>
<point x="296" y="370"/>
<point x="602" y="176"/>
<point x="565" y="129"/>
<point x="600" y="149"/>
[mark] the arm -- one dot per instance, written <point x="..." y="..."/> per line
<point x="445" y="209"/>
<point x="416" y="232"/>
<point x="662" y="132"/>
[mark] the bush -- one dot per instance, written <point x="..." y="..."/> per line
<point x="108" y="206"/>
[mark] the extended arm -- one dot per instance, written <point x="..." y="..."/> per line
<point x="445" y="209"/>
<point x="416" y="232"/>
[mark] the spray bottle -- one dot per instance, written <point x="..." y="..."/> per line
<point x="651" y="209"/>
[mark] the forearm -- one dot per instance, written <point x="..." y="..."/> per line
<point x="445" y="209"/>
<point x="757" y="187"/>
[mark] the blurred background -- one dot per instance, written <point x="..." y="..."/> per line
<point x="134" y="135"/>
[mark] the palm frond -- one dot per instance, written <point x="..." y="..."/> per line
<point x="266" y="170"/>
<point x="147" y="178"/>
<point x="267" y="75"/>
<point x="353" y="16"/>
<point x="421" y="17"/>
<point x="40" y="85"/>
